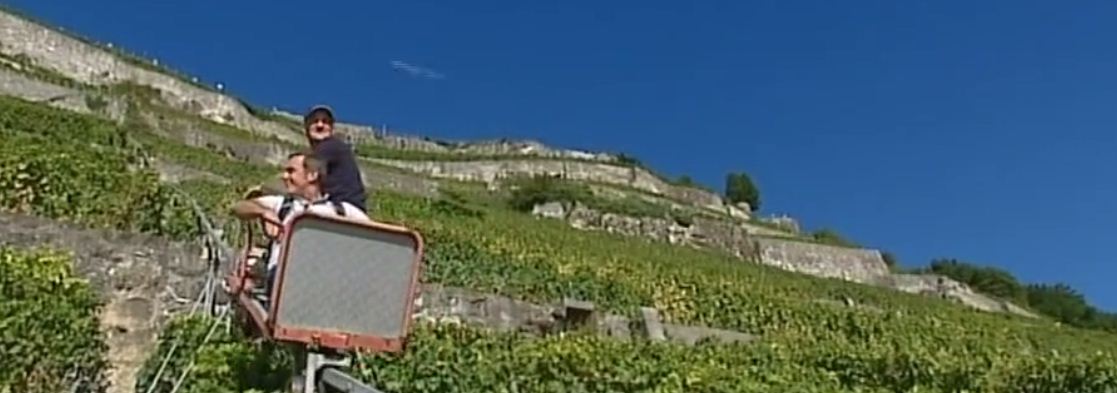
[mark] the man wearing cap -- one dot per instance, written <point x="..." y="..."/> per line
<point x="343" y="178"/>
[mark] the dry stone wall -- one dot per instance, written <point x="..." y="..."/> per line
<point x="947" y="288"/>
<point x="88" y="64"/>
<point x="865" y="266"/>
<point x="490" y="171"/>
<point x="366" y="134"/>
<point x="274" y="153"/>
<point x="858" y="265"/>
<point x="143" y="280"/>
<point x="19" y="85"/>
<point x="822" y="260"/>
<point x="724" y="236"/>
<point x="191" y="133"/>
<point x="457" y="305"/>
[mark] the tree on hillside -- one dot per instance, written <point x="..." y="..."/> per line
<point x="889" y="260"/>
<point x="740" y="188"/>
<point x="985" y="279"/>
<point x="625" y="159"/>
<point x="1059" y="301"/>
<point x="830" y="236"/>
<point x="685" y="180"/>
<point x="528" y="191"/>
<point x="1068" y="306"/>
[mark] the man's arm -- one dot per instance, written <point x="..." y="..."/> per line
<point x="262" y="207"/>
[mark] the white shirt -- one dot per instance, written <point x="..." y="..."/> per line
<point x="298" y="205"/>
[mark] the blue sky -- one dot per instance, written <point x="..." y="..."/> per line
<point x="982" y="131"/>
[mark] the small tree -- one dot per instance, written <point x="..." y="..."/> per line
<point x="529" y="191"/>
<point x="830" y="236"/>
<point x="890" y="260"/>
<point x="625" y="159"/>
<point x="740" y="188"/>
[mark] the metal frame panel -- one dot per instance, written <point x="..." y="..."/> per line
<point x="280" y="327"/>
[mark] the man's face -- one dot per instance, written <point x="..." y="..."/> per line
<point x="319" y="127"/>
<point x="295" y="176"/>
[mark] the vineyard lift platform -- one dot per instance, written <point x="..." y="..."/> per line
<point x="340" y="287"/>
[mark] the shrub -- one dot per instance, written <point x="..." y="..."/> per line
<point x="224" y="360"/>
<point x="740" y="188"/>
<point x="89" y="186"/>
<point x="49" y="333"/>
<point x="530" y="191"/>
<point x="832" y="237"/>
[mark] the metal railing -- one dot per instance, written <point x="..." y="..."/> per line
<point x="343" y="382"/>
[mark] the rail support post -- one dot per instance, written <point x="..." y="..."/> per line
<point x="316" y="361"/>
<point x="319" y="373"/>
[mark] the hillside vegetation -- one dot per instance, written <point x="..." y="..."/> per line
<point x="1058" y="301"/>
<point x="49" y="338"/>
<point x="888" y="341"/>
<point x="816" y="335"/>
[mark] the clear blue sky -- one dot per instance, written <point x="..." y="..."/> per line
<point x="983" y="131"/>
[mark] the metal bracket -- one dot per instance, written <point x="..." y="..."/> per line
<point x="321" y="374"/>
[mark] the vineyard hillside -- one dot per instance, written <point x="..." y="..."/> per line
<point x="108" y="161"/>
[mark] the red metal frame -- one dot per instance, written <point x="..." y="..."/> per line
<point x="336" y="339"/>
<point x="240" y="283"/>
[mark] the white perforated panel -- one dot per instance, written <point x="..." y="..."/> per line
<point x="346" y="279"/>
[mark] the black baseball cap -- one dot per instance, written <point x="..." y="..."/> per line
<point x="319" y="109"/>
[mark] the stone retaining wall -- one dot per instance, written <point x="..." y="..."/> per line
<point x="490" y="171"/>
<point x="822" y="260"/>
<point x="143" y="280"/>
<point x="88" y="64"/>
<point x="865" y="266"/>
<point x="859" y="265"/>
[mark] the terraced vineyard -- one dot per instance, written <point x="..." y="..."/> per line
<point x="73" y="167"/>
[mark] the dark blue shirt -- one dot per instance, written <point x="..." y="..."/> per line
<point x="343" y="177"/>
